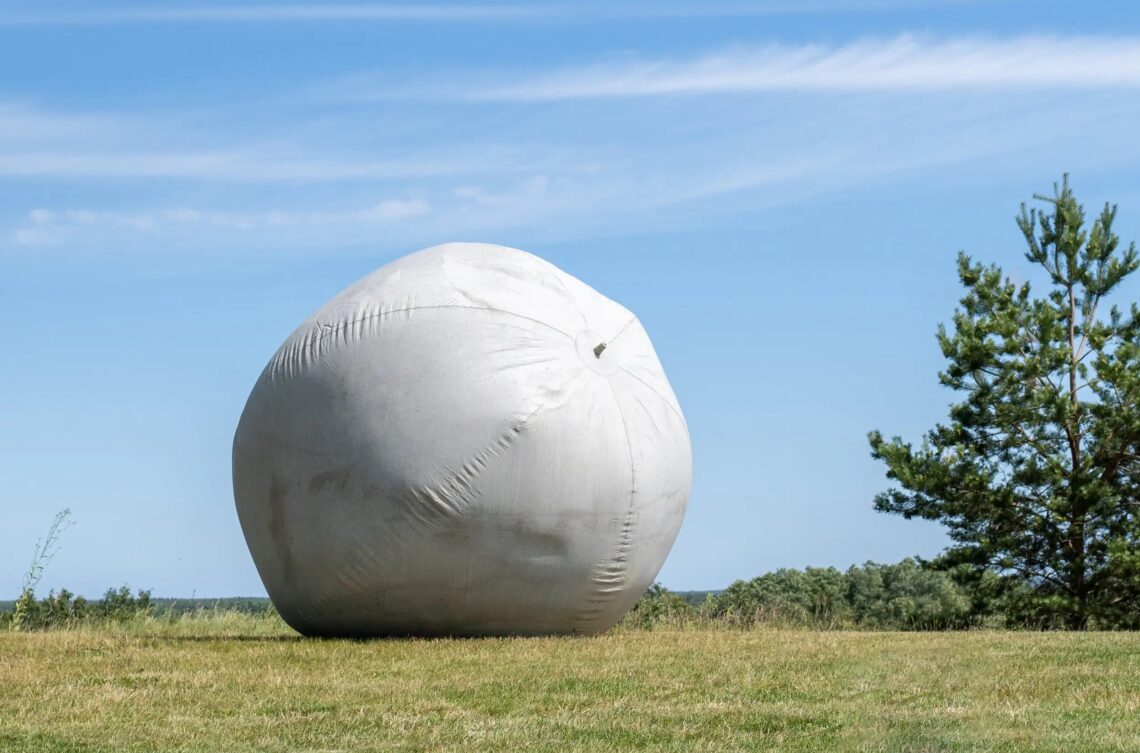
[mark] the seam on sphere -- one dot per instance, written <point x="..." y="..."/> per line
<point x="300" y="352"/>
<point x="431" y="504"/>
<point x="651" y="388"/>
<point x="610" y="575"/>
<point x="621" y="331"/>
<point x="557" y="275"/>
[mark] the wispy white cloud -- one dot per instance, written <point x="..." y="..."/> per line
<point x="47" y="227"/>
<point x="732" y="163"/>
<point x="561" y="170"/>
<point x="560" y="205"/>
<point x="904" y="63"/>
<point x="63" y="145"/>
<point x="231" y="166"/>
<point x="28" y="125"/>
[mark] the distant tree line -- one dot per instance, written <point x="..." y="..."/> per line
<point x="64" y="609"/>
<point x="909" y="595"/>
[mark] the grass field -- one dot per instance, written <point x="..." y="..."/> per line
<point x="239" y="683"/>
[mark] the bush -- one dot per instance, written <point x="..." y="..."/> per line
<point x="64" y="610"/>
<point x="906" y="597"/>
<point x="55" y="610"/>
<point x="814" y="597"/>
<point x="657" y="608"/>
<point x="118" y="604"/>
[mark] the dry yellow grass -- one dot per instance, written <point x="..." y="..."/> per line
<point x="233" y="683"/>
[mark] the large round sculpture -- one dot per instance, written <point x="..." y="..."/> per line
<point x="467" y="441"/>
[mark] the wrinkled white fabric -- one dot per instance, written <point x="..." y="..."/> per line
<point x="467" y="441"/>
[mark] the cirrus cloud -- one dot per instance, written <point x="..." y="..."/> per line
<point x="904" y="63"/>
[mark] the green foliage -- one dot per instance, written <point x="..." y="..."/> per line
<point x="815" y="596"/>
<point x="251" y="605"/>
<point x="1037" y="473"/>
<point x="906" y="596"/>
<point x="25" y="614"/>
<point x="119" y="604"/>
<point x="56" y="610"/>
<point x="659" y="606"/>
<point x="888" y="597"/>
<point x="65" y="610"/>
<point x="988" y="592"/>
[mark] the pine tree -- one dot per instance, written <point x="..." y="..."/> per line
<point x="1036" y="475"/>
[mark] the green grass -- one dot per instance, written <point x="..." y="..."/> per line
<point x="232" y="682"/>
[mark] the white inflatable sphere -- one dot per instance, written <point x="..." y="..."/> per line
<point x="468" y="441"/>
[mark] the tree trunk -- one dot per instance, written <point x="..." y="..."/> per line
<point x="1079" y="620"/>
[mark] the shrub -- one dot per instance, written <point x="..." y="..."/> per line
<point x="814" y="597"/>
<point x="659" y="607"/>
<point x="118" y="604"/>
<point x="65" y="610"/>
<point x="906" y="597"/>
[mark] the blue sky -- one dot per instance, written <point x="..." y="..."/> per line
<point x="777" y="189"/>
